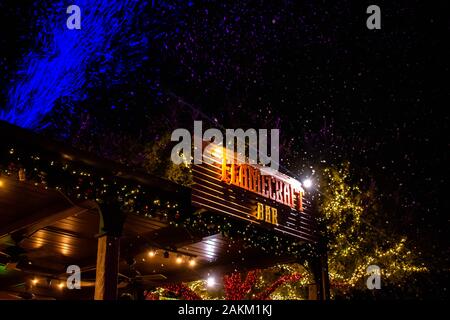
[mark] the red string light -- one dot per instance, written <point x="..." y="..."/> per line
<point x="182" y="291"/>
<point x="235" y="288"/>
<point x="265" y="295"/>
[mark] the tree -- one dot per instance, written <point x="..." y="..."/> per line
<point x="157" y="162"/>
<point x="280" y="282"/>
<point x="357" y="236"/>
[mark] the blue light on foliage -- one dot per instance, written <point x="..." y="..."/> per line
<point x="59" y="67"/>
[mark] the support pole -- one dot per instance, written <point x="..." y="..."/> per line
<point x="112" y="220"/>
<point x="320" y="290"/>
<point x="325" y="276"/>
<point x="107" y="268"/>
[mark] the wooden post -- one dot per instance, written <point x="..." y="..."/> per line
<point x="112" y="220"/>
<point x="317" y="271"/>
<point x="322" y="269"/>
<point x="321" y="288"/>
<point x="325" y="276"/>
<point x="312" y="292"/>
<point x="107" y="268"/>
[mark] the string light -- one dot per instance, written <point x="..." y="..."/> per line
<point x="352" y="248"/>
<point x="181" y="290"/>
<point x="78" y="182"/>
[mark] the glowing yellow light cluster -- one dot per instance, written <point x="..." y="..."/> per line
<point x="354" y="244"/>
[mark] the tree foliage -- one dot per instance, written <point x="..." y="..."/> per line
<point x="157" y="162"/>
<point x="358" y="235"/>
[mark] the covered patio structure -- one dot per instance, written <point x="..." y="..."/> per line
<point x="123" y="228"/>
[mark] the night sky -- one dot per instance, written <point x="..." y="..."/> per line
<point x="336" y="90"/>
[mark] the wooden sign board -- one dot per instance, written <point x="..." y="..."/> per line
<point x="273" y="201"/>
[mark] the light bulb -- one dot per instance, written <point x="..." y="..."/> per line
<point x="307" y="183"/>
<point x="211" y="282"/>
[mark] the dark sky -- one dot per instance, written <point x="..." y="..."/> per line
<point x="336" y="90"/>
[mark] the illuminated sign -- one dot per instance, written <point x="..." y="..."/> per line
<point x="267" y="213"/>
<point x="250" y="178"/>
<point x="249" y="192"/>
